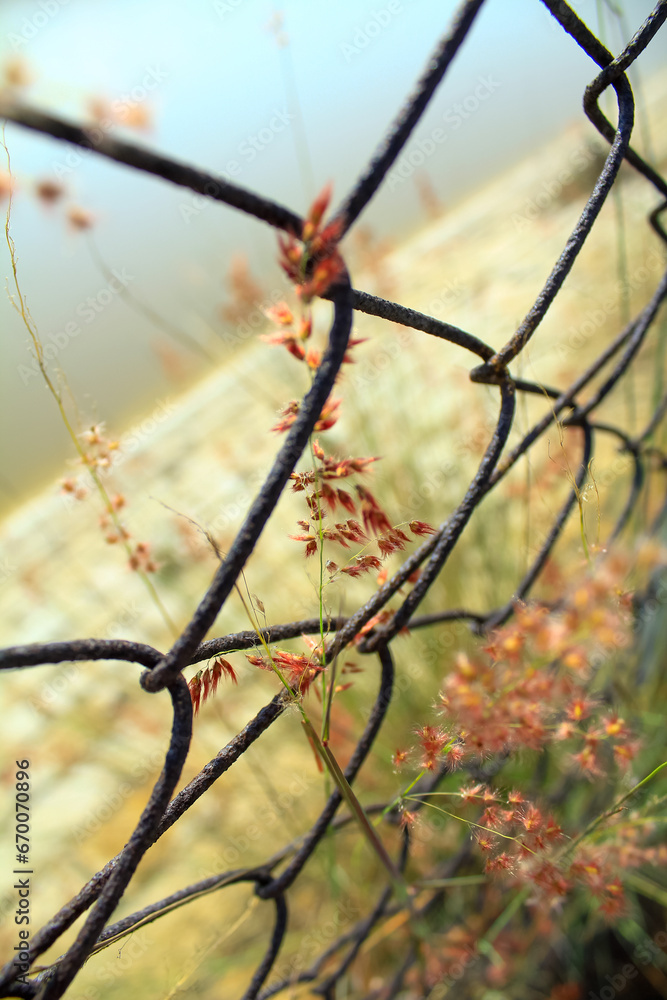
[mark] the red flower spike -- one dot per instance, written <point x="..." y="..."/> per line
<point x="305" y="326"/>
<point x="408" y="819"/>
<point x="501" y="864"/>
<point x="347" y="359"/>
<point x="221" y="667"/>
<point x="287" y="339"/>
<point x="329" y="495"/>
<point x="421" y="528"/>
<point x="531" y="819"/>
<point x="280" y="313"/>
<point x="290" y="257"/>
<point x="471" y="794"/>
<point x="491" y="817"/>
<point x="329" y="415"/>
<point x="258" y="661"/>
<point x="391" y="542"/>
<point x="588" y="762"/>
<point x="351" y="530"/>
<point x="346" y="500"/>
<point x="316" y="213"/>
<point x="311" y="543"/>
<point x="485" y="841"/>
<point x="323" y="244"/>
<point x="289" y="415"/>
<point x="614" y="726"/>
<point x="379" y="619"/>
<point x="625" y="753"/>
<point x="313" y="359"/>
<point x="433" y="741"/>
<point x="205" y="685"/>
<point x="364" y="564"/>
<point x="550" y="879"/>
<point x="195" y="691"/>
<point x="324" y="275"/>
<point x="455" y="756"/>
<point x="579" y="708"/>
<point x="552" y="831"/>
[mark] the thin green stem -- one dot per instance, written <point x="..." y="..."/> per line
<point x="614" y="808"/>
<point x="469" y="822"/>
<point x="357" y="810"/>
<point x="400" y="797"/>
<point x="22" y="309"/>
<point x="447" y="883"/>
<point x="333" y="768"/>
<point x="485" y="943"/>
<point x="646" y="887"/>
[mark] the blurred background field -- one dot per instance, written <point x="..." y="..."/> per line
<point x="197" y="456"/>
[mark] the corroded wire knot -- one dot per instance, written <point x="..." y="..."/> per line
<point x="489" y="373"/>
<point x="155" y="679"/>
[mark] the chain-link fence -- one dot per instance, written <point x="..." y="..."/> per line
<point x="563" y="405"/>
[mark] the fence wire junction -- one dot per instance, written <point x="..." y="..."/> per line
<point x="273" y="880"/>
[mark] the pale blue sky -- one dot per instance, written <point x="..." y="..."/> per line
<point x="221" y="92"/>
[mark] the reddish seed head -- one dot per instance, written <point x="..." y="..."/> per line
<point x="222" y="668"/>
<point x="485" y="841"/>
<point x="49" y="191"/>
<point x="579" y="708"/>
<point x="421" y="528"/>
<point x="79" y="218"/>
<point x="195" y="686"/>
<point x="280" y="313"/>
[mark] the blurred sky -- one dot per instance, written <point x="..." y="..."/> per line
<point x="225" y="93"/>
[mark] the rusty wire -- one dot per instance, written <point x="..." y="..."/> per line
<point x="273" y="879"/>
